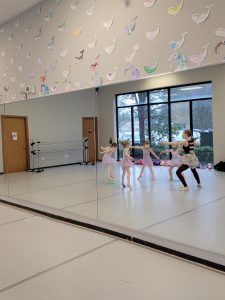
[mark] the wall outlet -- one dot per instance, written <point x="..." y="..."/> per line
<point x="28" y="89"/>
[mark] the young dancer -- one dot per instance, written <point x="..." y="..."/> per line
<point x="126" y="163"/>
<point x="108" y="160"/>
<point x="175" y="160"/>
<point x="147" y="161"/>
<point x="188" y="160"/>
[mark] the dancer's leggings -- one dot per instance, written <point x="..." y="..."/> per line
<point x="183" y="168"/>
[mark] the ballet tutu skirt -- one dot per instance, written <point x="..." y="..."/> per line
<point x="108" y="160"/>
<point x="175" y="162"/>
<point x="190" y="160"/>
<point x="126" y="162"/>
<point x="147" y="161"/>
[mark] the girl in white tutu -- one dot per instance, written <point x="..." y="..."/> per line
<point x="108" y="160"/>
<point x="126" y="163"/>
<point x="175" y="161"/>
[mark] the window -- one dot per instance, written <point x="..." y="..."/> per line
<point x="197" y="91"/>
<point x="158" y="96"/>
<point x="163" y="114"/>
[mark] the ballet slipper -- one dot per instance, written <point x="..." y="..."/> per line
<point x="129" y="186"/>
<point x="184" y="189"/>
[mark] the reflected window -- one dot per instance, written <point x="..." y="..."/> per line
<point x="163" y="114"/>
<point x="132" y="99"/>
<point x="158" y="96"/>
<point x="198" y="91"/>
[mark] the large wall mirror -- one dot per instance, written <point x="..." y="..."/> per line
<point x="62" y="140"/>
<point x="50" y="150"/>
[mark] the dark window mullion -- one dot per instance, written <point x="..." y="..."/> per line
<point x="132" y="128"/>
<point x="169" y="115"/>
<point x="148" y="116"/>
<point x="191" y="117"/>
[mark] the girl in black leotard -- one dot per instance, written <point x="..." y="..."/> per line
<point x="188" y="160"/>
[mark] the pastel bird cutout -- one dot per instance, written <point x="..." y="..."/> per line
<point x="64" y="51"/>
<point x="199" y="58"/>
<point x="221" y="43"/>
<point x="130" y="56"/>
<point x="178" y="44"/>
<point x="135" y="74"/>
<point x="110" y="49"/>
<point x="180" y="60"/>
<point x="151" y="68"/>
<point x="200" y="18"/>
<point x="41" y="60"/>
<point x="61" y="27"/>
<point x="49" y="16"/>
<point x="92" y="44"/>
<point x="77" y="31"/>
<point x="43" y="77"/>
<point x="152" y="35"/>
<point x="108" y="23"/>
<point x="175" y="10"/>
<point x="111" y="76"/>
<point x="130" y="28"/>
<point x="90" y="11"/>
<point x="149" y="3"/>
<point x="74" y="4"/>
<point x="66" y="72"/>
<point x="220" y="31"/>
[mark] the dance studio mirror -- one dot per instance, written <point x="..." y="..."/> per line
<point x="158" y="109"/>
<point x="46" y="140"/>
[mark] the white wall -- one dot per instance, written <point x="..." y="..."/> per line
<point x="55" y="118"/>
<point x="216" y="74"/>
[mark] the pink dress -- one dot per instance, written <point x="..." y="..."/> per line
<point x="175" y="160"/>
<point x="147" y="161"/>
<point x="126" y="162"/>
<point x="107" y="159"/>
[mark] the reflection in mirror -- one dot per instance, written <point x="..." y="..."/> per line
<point x="51" y="151"/>
<point x="3" y="168"/>
<point x="99" y="154"/>
<point x="148" y="199"/>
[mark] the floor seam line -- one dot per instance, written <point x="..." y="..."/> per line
<point x="55" y="267"/>
<point x="184" y="213"/>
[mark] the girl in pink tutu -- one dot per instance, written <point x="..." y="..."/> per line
<point x="108" y="160"/>
<point x="126" y="163"/>
<point x="147" y="161"/>
<point x="175" y="161"/>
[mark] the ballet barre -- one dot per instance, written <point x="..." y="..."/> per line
<point x="46" y="154"/>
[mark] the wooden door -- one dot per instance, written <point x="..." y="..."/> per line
<point x="90" y="130"/>
<point x="15" y="144"/>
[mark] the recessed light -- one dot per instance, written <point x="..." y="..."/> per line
<point x="191" y="88"/>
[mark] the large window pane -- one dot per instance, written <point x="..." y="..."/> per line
<point x="190" y="92"/>
<point x="180" y="119"/>
<point x="202" y="130"/>
<point x="158" y="96"/>
<point x="132" y="99"/>
<point x="159" y="125"/>
<point x="140" y="120"/>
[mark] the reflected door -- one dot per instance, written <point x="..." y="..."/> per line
<point x="90" y="131"/>
<point x="15" y="144"/>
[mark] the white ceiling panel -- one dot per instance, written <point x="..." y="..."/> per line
<point x="12" y="8"/>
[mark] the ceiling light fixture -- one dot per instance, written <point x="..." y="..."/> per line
<point x="191" y="88"/>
